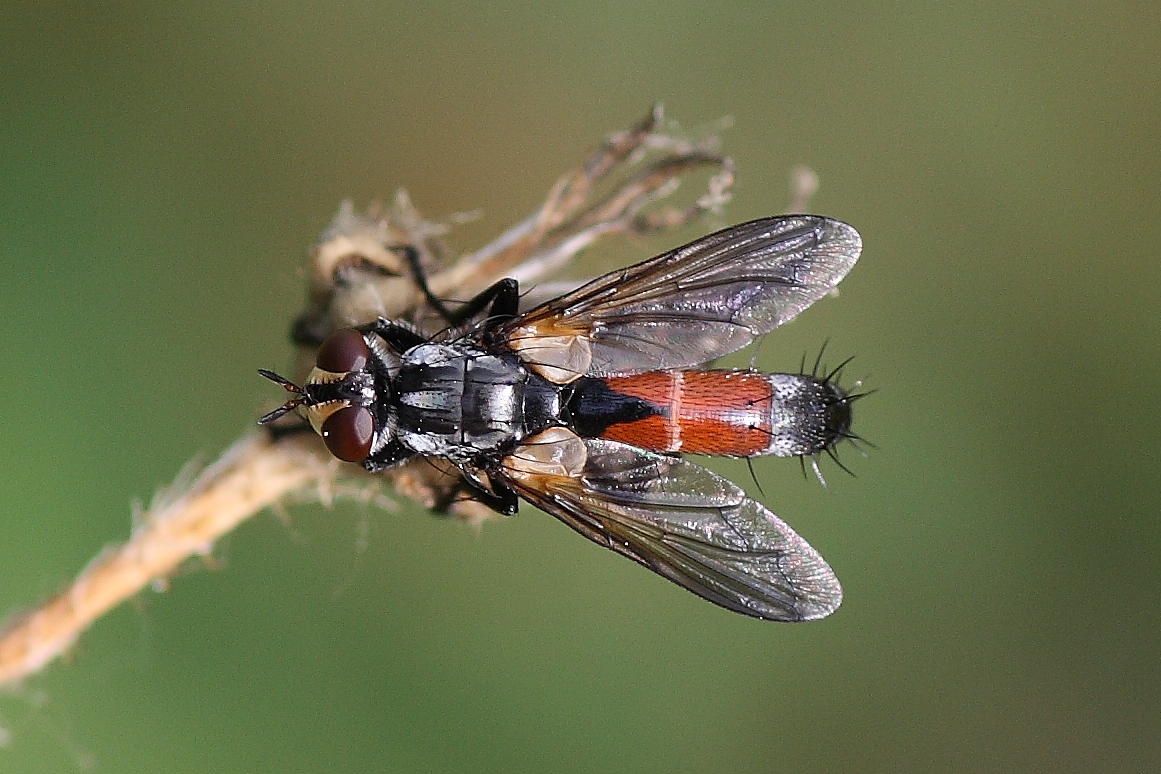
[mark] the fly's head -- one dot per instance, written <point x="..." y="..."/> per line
<point x="345" y="397"/>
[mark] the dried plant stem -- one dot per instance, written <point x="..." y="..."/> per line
<point x="252" y="475"/>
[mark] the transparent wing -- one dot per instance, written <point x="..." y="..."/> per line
<point x="685" y="523"/>
<point x="692" y="304"/>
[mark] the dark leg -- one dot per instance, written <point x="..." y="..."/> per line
<point x="399" y="337"/>
<point x="310" y="329"/>
<point x="411" y="255"/>
<point x="503" y="501"/>
<point x="388" y="457"/>
<point x="498" y="497"/>
<point x="504" y="297"/>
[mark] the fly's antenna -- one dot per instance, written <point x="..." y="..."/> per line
<point x="290" y="405"/>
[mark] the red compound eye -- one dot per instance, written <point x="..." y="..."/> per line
<point x="348" y="433"/>
<point x="343" y="351"/>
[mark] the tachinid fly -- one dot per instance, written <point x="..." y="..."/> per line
<point x="581" y="405"/>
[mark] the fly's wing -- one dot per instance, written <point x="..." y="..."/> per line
<point x="685" y="523"/>
<point x="682" y="308"/>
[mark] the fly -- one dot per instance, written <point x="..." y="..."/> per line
<point x="581" y="405"/>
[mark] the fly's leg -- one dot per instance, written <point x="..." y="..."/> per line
<point x="398" y="336"/>
<point x="504" y="296"/>
<point x="411" y="255"/>
<point x="483" y="490"/>
<point x="388" y="457"/>
<point x="309" y="330"/>
<point x="503" y="500"/>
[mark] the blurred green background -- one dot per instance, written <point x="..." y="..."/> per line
<point x="165" y="168"/>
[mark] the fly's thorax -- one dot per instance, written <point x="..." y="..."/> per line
<point x="456" y="400"/>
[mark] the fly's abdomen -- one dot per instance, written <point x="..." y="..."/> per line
<point x="730" y="413"/>
<point x="699" y="412"/>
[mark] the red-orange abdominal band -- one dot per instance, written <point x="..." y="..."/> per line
<point x="700" y="412"/>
